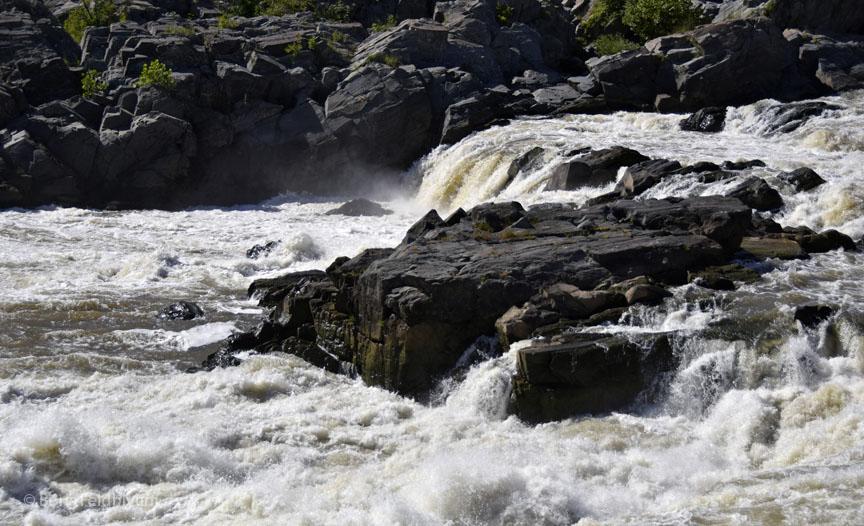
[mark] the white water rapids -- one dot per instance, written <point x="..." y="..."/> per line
<point x="763" y="423"/>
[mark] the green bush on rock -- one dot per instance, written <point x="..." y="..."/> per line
<point x="611" y="44"/>
<point x="653" y="18"/>
<point x="644" y="19"/>
<point x="385" y="24"/>
<point x="91" y="13"/>
<point x="321" y="10"/>
<point x="92" y="83"/>
<point x="156" y="74"/>
<point x="504" y="14"/>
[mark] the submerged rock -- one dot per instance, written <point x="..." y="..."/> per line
<point x="706" y="120"/>
<point x="757" y="194"/>
<point x="585" y="374"/>
<point x="595" y="168"/>
<point x="360" y="207"/>
<point x="773" y="247"/>
<point x="803" y="179"/>
<point x="182" y="310"/>
<point x="258" y="251"/>
<point x="786" y="118"/>
<point x="812" y="315"/>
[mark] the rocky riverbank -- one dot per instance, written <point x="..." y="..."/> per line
<point x="266" y="104"/>
<point x="403" y="318"/>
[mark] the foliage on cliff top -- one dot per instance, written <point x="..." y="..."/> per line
<point x="645" y="19"/>
<point x="611" y="44"/>
<point x="327" y="10"/>
<point x="91" y="13"/>
<point x="653" y="18"/>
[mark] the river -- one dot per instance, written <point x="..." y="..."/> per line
<point x="763" y="423"/>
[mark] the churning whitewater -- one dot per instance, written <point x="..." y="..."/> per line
<point x="763" y="422"/>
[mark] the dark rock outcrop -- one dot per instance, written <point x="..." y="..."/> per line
<point x="300" y="104"/>
<point x="785" y="118"/>
<point x="295" y="103"/>
<point x="835" y="60"/>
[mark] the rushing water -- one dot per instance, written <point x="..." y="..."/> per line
<point x="762" y="424"/>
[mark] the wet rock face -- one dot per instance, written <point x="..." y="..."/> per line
<point x="584" y="374"/>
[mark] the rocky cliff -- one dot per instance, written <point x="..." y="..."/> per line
<point x="266" y="104"/>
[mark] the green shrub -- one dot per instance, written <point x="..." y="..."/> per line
<point x="91" y="13"/>
<point x="611" y="44"/>
<point x="328" y="10"/>
<point x="384" y="25"/>
<point x="226" y="22"/>
<point x="504" y="14"/>
<point x="383" y="58"/>
<point x="245" y="8"/>
<point x="339" y="37"/>
<point x="293" y="49"/>
<point x="338" y="12"/>
<point x="92" y="83"/>
<point x="602" y="13"/>
<point x="156" y="74"/>
<point x="653" y="18"/>
<point x="183" y="31"/>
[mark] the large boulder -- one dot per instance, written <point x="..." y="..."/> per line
<point x="402" y="318"/>
<point x="628" y="79"/>
<point x="382" y="116"/>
